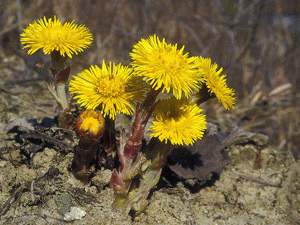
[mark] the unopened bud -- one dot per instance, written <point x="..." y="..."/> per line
<point x="90" y="123"/>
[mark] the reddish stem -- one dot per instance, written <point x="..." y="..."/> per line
<point x="134" y="142"/>
<point x="128" y="155"/>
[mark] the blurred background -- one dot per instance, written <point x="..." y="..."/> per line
<point x="257" y="43"/>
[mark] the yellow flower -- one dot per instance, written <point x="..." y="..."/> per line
<point x="112" y="88"/>
<point x="90" y="123"/>
<point x="165" y="67"/>
<point x="216" y="82"/>
<point x="51" y="35"/>
<point x="180" y="122"/>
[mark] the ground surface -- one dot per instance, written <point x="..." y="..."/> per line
<point x="259" y="186"/>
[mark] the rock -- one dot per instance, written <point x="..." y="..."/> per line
<point x="75" y="213"/>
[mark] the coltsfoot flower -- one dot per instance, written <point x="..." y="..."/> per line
<point x="90" y="123"/>
<point x="52" y="35"/>
<point x="165" y="66"/>
<point x="111" y="88"/>
<point x="178" y="121"/>
<point x="216" y="82"/>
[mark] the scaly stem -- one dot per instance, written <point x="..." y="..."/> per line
<point x="62" y="96"/>
<point x="90" y="127"/>
<point x="109" y="136"/>
<point x="149" y="173"/>
<point x="129" y="157"/>
<point x="60" y="69"/>
<point x="85" y="155"/>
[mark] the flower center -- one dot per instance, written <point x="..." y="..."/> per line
<point x="111" y="87"/>
<point x="53" y="36"/>
<point x="171" y="62"/>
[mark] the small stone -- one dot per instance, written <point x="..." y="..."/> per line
<point x="75" y="213"/>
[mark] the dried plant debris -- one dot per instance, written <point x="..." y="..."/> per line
<point x="207" y="158"/>
<point x="34" y="138"/>
<point x="82" y="197"/>
<point x="200" y="160"/>
<point x="35" y="187"/>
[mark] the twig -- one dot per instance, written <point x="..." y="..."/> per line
<point x="252" y="35"/>
<point x="19" y="14"/>
<point x="258" y="180"/>
<point x="58" y="145"/>
<point x="8" y="29"/>
<point x="16" y="195"/>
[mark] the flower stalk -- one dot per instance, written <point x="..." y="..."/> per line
<point x="60" y="69"/>
<point x="150" y="169"/>
<point x="109" y="136"/>
<point x="85" y="156"/>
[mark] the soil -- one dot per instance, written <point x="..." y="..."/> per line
<point x="259" y="186"/>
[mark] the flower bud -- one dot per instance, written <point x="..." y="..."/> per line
<point x="90" y="124"/>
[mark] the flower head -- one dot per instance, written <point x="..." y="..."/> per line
<point x="165" y="67"/>
<point x="52" y="35"/>
<point x="90" y="123"/>
<point x="216" y="82"/>
<point x="112" y="88"/>
<point x="180" y="122"/>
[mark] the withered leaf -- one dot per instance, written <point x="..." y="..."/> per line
<point x="207" y="156"/>
<point x="200" y="160"/>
